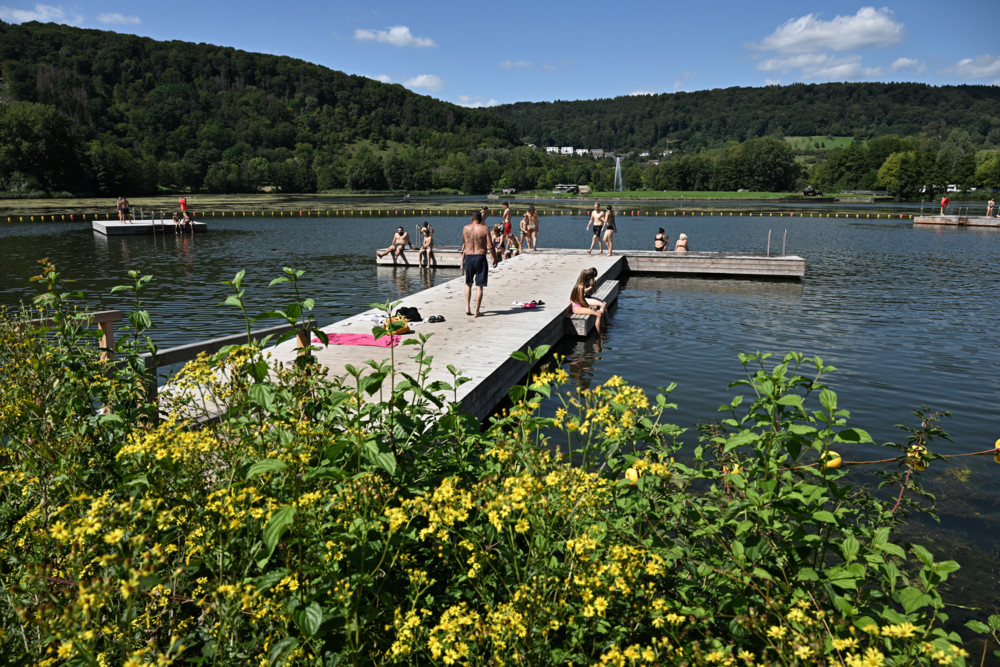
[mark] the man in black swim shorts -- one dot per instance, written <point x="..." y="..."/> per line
<point x="475" y="245"/>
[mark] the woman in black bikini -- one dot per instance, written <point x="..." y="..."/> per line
<point x="661" y="242"/>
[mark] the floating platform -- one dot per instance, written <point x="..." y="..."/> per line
<point x="718" y="264"/>
<point x="481" y="346"/>
<point x="140" y="227"/>
<point x="957" y="220"/>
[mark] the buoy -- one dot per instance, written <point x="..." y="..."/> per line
<point x="831" y="460"/>
<point x="70" y="216"/>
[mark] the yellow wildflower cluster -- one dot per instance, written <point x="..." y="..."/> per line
<point x="451" y="640"/>
<point x="444" y="507"/>
<point x="173" y="441"/>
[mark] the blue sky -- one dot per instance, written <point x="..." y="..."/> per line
<point x="479" y="53"/>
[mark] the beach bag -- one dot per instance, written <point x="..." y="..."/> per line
<point x="410" y="313"/>
<point x="391" y="324"/>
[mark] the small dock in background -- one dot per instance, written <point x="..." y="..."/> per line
<point x="718" y="264"/>
<point x="957" y="221"/>
<point x="141" y="227"/>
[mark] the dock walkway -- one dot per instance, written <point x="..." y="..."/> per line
<point x="721" y="264"/>
<point x="479" y="347"/>
<point x="957" y="220"/>
<point x="140" y="227"/>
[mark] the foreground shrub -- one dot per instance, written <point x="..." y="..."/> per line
<point x="364" y="520"/>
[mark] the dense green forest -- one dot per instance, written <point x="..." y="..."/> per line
<point x="711" y="118"/>
<point x="136" y="113"/>
<point x="94" y="112"/>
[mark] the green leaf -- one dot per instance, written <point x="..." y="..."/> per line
<point x="309" y="619"/>
<point x="913" y="599"/>
<point x="791" y="399"/>
<point x="520" y="356"/>
<point x="855" y="435"/>
<point x="808" y="574"/>
<point x="923" y="554"/>
<point x="517" y="392"/>
<point x="278" y="281"/>
<point x="121" y="288"/>
<point x="308" y="304"/>
<point x="263" y="394"/>
<point x="267" y="465"/>
<point x="233" y="300"/>
<point x="978" y="626"/>
<point x="825" y="516"/>
<point x="850" y="548"/>
<point x="277" y="525"/>
<point x="828" y="399"/>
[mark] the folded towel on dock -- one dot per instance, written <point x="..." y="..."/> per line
<point x="360" y="339"/>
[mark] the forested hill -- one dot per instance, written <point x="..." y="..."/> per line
<point x="137" y="113"/>
<point x="712" y="117"/>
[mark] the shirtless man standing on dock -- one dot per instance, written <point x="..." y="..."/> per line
<point x="475" y="245"/>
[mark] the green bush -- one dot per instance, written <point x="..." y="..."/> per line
<point x="272" y="515"/>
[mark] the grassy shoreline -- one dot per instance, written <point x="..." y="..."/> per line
<point x="15" y="210"/>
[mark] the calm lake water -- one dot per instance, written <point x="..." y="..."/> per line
<point x="908" y="315"/>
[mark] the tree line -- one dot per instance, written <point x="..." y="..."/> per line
<point x="95" y="112"/>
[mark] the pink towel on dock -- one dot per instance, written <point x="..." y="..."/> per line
<point x="360" y="339"/>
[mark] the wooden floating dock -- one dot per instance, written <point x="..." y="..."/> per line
<point x="481" y="347"/>
<point x="719" y="264"/>
<point x="957" y="220"/>
<point x="140" y="227"/>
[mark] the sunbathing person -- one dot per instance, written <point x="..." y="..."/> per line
<point x="427" y="249"/>
<point x="399" y="242"/>
<point x="578" y="302"/>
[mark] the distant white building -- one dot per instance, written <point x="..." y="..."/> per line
<point x="582" y="151"/>
<point x="552" y="149"/>
<point x="567" y="150"/>
<point x="597" y="153"/>
<point x="644" y="154"/>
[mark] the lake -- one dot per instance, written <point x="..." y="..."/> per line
<point x="908" y="315"/>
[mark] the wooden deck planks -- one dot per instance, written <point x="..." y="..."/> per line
<point x="141" y="227"/>
<point x="957" y="220"/>
<point x="479" y="347"/>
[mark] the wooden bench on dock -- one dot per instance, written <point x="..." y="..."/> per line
<point x="581" y="325"/>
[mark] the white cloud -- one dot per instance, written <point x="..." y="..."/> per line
<point x="640" y="91"/>
<point x="42" y="13"/>
<point x="475" y="101"/>
<point x="397" y="35"/>
<point x="384" y="78"/>
<point x="431" y="82"/>
<point x="980" y="67"/>
<point x="520" y="64"/>
<point x="820" y="66"/>
<point x="772" y="82"/>
<point x="119" y="19"/>
<point x="809" y="34"/>
<point x="907" y="63"/>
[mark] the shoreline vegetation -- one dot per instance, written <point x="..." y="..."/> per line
<point x="365" y="202"/>
<point x="366" y="520"/>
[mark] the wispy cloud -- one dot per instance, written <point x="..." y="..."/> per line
<point x="431" y="82"/>
<point x="397" y="35"/>
<point x="384" y="78"/>
<point x="810" y="34"/>
<point x="641" y="91"/>
<point x="907" y="63"/>
<point x="820" y="66"/>
<point x="520" y="64"/>
<point x="119" y="19"/>
<point x="980" y="67"/>
<point x="475" y="101"/>
<point x="565" y="63"/>
<point x="684" y="77"/>
<point x="41" y="13"/>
